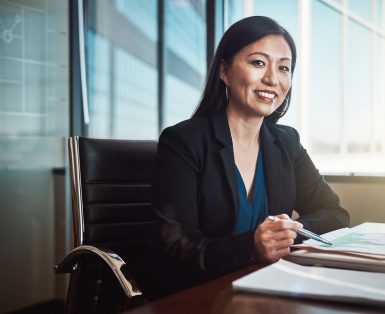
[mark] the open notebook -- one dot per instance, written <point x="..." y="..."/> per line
<point x="289" y="279"/>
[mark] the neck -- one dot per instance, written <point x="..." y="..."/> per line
<point x="244" y="130"/>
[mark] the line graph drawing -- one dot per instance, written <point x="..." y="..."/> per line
<point x="6" y="34"/>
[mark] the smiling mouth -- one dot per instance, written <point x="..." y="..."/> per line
<point x="266" y="96"/>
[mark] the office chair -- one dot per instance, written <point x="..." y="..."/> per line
<point x="113" y="223"/>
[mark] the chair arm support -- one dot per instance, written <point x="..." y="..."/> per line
<point x="115" y="263"/>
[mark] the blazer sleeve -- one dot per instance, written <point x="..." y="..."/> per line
<point x="317" y="204"/>
<point x="175" y="193"/>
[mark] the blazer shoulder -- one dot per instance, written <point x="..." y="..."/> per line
<point x="288" y="137"/>
<point x="189" y="131"/>
<point x="187" y="139"/>
<point x="287" y="133"/>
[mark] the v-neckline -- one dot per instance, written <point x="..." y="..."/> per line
<point x="252" y="188"/>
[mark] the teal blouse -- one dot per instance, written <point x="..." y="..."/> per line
<point x="251" y="214"/>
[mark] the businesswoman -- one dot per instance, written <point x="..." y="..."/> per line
<point x="220" y="174"/>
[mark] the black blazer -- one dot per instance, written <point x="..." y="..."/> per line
<point x="196" y="199"/>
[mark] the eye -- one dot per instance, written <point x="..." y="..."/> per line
<point x="259" y="63"/>
<point x="284" y="68"/>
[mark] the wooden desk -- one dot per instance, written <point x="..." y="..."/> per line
<point x="217" y="297"/>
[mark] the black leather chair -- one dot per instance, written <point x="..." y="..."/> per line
<point x="113" y="223"/>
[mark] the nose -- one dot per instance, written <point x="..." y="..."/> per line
<point x="270" y="77"/>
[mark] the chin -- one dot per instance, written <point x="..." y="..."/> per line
<point x="262" y="112"/>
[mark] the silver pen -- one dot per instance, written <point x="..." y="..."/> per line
<point x="306" y="233"/>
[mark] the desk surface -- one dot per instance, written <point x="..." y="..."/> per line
<point x="217" y="297"/>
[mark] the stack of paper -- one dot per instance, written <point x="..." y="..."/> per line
<point x="289" y="279"/>
<point x="361" y="248"/>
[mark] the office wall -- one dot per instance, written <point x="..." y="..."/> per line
<point x="365" y="201"/>
<point x="27" y="241"/>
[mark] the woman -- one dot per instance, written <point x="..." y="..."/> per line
<point x="220" y="174"/>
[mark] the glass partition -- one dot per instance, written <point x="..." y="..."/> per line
<point x="34" y="120"/>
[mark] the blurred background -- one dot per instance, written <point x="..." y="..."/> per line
<point x="129" y="68"/>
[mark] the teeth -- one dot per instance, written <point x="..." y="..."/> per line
<point x="267" y="95"/>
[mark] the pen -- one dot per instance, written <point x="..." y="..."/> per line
<point x="306" y="233"/>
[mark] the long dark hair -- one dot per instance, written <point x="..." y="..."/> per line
<point x="239" y="35"/>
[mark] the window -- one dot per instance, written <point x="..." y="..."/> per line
<point x="146" y="71"/>
<point x="348" y="91"/>
<point x="122" y="69"/>
<point x="185" y="38"/>
<point x="325" y="112"/>
<point x="124" y="75"/>
<point x="339" y="96"/>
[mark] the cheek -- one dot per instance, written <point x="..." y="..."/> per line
<point x="245" y="78"/>
<point x="286" y="84"/>
<point x="285" y="87"/>
<point x="255" y="76"/>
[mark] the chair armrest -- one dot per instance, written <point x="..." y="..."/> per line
<point x="115" y="263"/>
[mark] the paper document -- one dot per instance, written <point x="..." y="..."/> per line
<point x="368" y="239"/>
<point x="289" y="279"/>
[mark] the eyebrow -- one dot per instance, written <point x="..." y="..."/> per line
<point x="267" y="56"/>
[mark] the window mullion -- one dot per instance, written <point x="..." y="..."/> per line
<point x="161" y="62"/>
<point x="304" y="68"/>
<point x="345" y="25"/>
<point x="373" y="82"/>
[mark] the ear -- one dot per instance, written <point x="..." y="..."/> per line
<point x="223" y="72"/>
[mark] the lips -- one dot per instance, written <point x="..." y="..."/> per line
<point x="266" y="95"/>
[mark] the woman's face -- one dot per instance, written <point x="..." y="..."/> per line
<point x="259" y="76"/>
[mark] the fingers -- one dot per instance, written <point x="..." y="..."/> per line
<point x="273" y="256"/>
<point x="274" y="238"/>
<point x="278" y="240"/>
<point x="283" y="216"/>
<point x="284" y="234"/>
<point x="273" y="251"/>
<point x="283" y="222"/>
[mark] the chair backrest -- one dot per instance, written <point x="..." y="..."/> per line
<point x="111" y="193"/>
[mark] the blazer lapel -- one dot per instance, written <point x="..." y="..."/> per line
<point x="222" y="134"/>
<point x="272" y="166"/>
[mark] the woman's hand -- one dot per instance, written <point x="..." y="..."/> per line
<point x="273" y="239"/>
